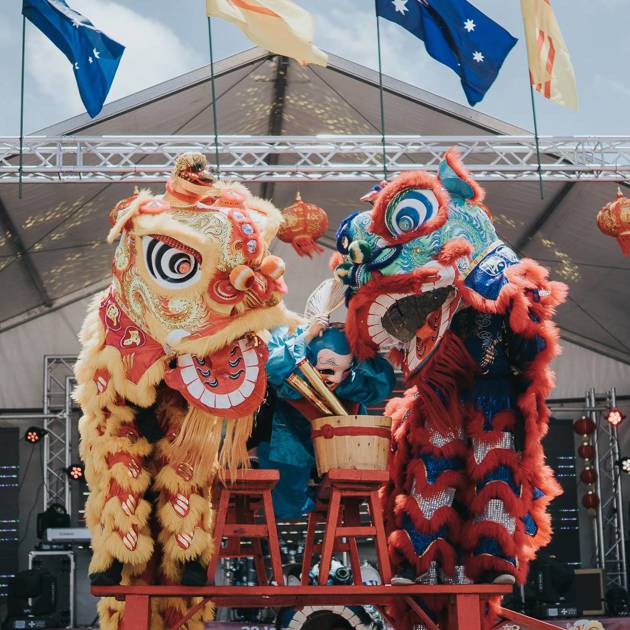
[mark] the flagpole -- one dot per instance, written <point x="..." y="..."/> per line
<point x="540" y="182"/>
<point x="214" y="100"/>
<point x="22" y="111"/>
<point x="380" y="83"/>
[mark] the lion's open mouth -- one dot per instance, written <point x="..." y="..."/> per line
<point x="230" y="382"/>
<point x="412" y="323"/>
<point x="407" y="314"/>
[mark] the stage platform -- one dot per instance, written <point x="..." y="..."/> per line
<point x="464" y="603"/>
<point x="582" y="623"/>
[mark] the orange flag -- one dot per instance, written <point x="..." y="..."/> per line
<point x="550" y="69"/>
<point x="280" y="26"/>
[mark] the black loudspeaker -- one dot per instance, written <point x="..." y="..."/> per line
<point x="40" y="587"/>
<point x="589" y="591"/>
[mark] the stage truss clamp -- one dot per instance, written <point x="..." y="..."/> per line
<point x="144" y="159"/>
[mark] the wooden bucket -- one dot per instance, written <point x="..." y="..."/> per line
<point x="357" y="442"/>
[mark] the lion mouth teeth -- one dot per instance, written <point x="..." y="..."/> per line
<point x="197" y="389"/>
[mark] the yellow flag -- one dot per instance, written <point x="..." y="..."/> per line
<point x="280" y="26"/>
<point x="550" y="68"/>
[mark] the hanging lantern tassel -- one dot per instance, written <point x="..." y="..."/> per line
<point x="303" y="223"/>
<point x="614" y="220"/>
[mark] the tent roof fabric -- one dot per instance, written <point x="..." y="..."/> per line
<point x="52" y="241"/>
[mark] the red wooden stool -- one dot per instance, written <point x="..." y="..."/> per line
<point x="340" y="496"/>
<point x="239" y="501"/>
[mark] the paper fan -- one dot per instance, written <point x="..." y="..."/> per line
<point x="325" y="299"/>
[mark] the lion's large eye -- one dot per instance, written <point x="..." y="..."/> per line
<point x="409" y="210"/>
<point x="171" y="263"/>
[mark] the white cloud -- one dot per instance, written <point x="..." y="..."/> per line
<point x="403" y="56"/>
<point x="153" y="54"/>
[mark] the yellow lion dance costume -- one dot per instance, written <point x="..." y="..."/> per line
<point x="170" y="374"/>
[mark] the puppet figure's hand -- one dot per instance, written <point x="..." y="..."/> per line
<point x="316" y="329"/>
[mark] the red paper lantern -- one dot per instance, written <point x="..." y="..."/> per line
<point x="303" y="223"/>
<point x="614" y="220"/>
<point x="584" y="426"/>
<point x="590" y="501"/>
<point x="588" y="475"/>
<point x="586" y="451"/>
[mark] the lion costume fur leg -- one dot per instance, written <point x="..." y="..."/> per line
<point x="114" y="454"/>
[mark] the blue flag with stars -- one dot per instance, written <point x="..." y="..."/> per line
<point x="93" y="55"/>
<point x="456" y="34"/>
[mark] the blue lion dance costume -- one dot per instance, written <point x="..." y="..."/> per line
<point x="429" y="282"/>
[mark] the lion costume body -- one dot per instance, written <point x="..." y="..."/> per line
<point x="469" y="324"/>
<point x="170" y="374"/>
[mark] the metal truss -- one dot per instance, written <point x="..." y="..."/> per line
<point x="313" y="158"/>
<point x="610" y="528"/>
<point x="58" y="385"/>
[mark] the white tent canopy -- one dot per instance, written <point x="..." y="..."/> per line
<point x="52" y="248"/>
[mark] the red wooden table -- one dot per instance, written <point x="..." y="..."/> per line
<point x="465" y="602"/>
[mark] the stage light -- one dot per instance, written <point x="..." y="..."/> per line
<point x="624" y="464"/>
<point x="615" y="416"/>
<point x="76" y="472"/>
<point x="34" y="435"/>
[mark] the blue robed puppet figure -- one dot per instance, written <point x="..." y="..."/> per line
<point x="356" y="383"/>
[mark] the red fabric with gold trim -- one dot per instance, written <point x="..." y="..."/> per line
<point x="138" y="350"/>
<point x="229" y="383"/>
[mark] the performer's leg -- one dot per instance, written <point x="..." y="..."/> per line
<point x="116" y="512"/>
<point x="499" y="498"/>
<point x="185" y="520"/>
<point x="292" y="497"/>
<point x="428" y="470"/>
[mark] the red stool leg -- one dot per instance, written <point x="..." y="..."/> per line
<point x="352" y="517"/>
<point x="272" y="533"/>
<point x="219" y="525"/>
<point x="464" y="612"/>
<point x="355" y="564"/>
<point x="309" y="545"/>
<point x="330" y="535"/>
<point x="259" y="562"/>
<point x="381" y="539"/>
<point x="137" y="613"/>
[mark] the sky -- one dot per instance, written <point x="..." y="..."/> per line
<point x="166" y="38"/>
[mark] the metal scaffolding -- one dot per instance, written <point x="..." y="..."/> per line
<point x="313" y="158"/>
<point x="58" y="384"/>
<point x="609" y="525"/>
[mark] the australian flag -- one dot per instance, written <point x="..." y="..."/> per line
<point x="456" y="34"/>
<point x="93" y="55"/>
